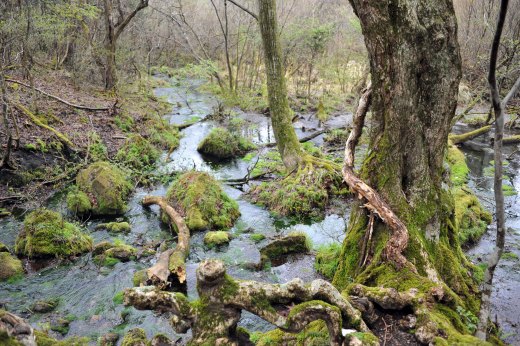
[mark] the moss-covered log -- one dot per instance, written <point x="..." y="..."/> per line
<point x="464" y="137"/>
<point x="511" y="140"/>
<point x="170" y="269"/>
<point x="214" y="317"/>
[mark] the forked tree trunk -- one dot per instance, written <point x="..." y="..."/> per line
<point x="415" y="69"/>
<point x="281" y="116"/>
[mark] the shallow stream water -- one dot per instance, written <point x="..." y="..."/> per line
<point x="86" y="291"/>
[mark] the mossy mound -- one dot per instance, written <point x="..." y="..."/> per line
<point x="101" y="189"/>
<point x="135" y="337"/>
<point x="295" y="242"/>
<point x="471" y="219"/>
<point x="222" y="144"/>
<point x="327" y="260"/>
<point x="217" y="238"/>
<point x="203" y="203"/>
<point x="42" y="339"/>
<point x="108" y="254"/>
<point x="10" y="266"/>
<point x="303" y="193"/>
<point x="138" y="153"/>
<point x="115" y="227"/>
<point x="46" y="234"/>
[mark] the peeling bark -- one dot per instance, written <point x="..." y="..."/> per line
<point x="214" y="318"/>
<point x="170" y="269"/>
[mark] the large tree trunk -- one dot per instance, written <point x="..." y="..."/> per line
<point x="284" y="133"/>
<point x="415" y="69"/>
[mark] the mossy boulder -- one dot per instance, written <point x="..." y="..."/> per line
<point x="135" y="337"/>
<point x="44" y="306"/>
<point x="46" y="234"/>
<point x="217" y="238"/>
<point x="108" y="254"/>
<point x="115" y="227"/>
<point x="202" y="202"/>
<point x="292" y="243"/>
<point x="138" y="153"/>
<point x="222" y="144"/>
<point x="101" y="189"/>
<point x="10" y="266"/>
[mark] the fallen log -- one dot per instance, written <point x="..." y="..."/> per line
<point x="170" y="269"/>
<point x="290" y="307"/>
<point x="511" y="140"/>
<point x="302" y="140"/>
<point x="464" y="137"/>
<point x="60" y="99"/>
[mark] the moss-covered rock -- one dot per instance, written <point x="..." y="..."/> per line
<point x="203" y="203"/>
<point x="138" y="153"/>
<point x="44" y="306"/>
<point x="10" y="266"/>
<point x="115" y="227"/>
<point x="135" y="337"/>
<point x="108" y="254"/>
<point x="223" y="144"/>
<point x="139" y="278"/>
<point x="101" y="189"/>
<point x="217" y="238"/>
<point x="295" y="242"/>
<point x="42" y="339"/>
<point x="47" y="234"/>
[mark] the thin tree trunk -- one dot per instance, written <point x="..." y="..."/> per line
<point x="281" y="114"/>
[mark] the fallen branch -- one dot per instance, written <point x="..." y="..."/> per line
<point x="375" y="203"/>
<point x="511" y="140"/>
<point x="290" y="307"/>
<point x="301" y="140"/>
<point x="38" y="122"/>
<point x="60" y="99"/>
<point x="464" y="137"/>
<point x="170" y="268"/>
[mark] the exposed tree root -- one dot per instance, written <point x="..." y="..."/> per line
<point x="375" y="203"/>
<point x="214" y="318"/>
<point x="464" y="137"/>
<point x="62" y="100"/>
<point x="170" y="269"/>
<point x="38" y="122"/>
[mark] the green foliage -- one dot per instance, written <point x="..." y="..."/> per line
<point x="97" y="149"/>
<point x="138" y="153"/>
<point x="509" y="190"/>
<point x="104" y="185"/>
<point x="470" y="320"/>
<point x="327" y="259"/>
<point x="119" y="298"/>
<point x="222" y="144"/>
<point x="10" y="266"/>
<point x="46" y="234"/>
<point x="257" y="237"/>
<point x="202" y="202"/>
<point x="510" y="256"/>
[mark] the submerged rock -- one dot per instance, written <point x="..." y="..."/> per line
<point x="222" y="144"/>
<point x="202" y="202"/>
<point x="212" y="239"/>
<point x="46" y="234"/>
<point x="101" y="189"/>
<point x="10" y="266"/>
<point x="281" y="247"/>
<point x="44" y="306"/>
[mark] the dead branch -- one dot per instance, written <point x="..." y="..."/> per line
<point x="60" y="99"/>
<point x="171" y="265"/>
<point x="464" y="137"/>
<point x="359" y="122"/>
<point x="302" y="140"/>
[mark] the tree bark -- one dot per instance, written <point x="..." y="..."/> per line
<point x="281" y="116"/>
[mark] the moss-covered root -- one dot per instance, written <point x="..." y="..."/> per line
<point x="199" y="198"/>
<point x="305" y="192"/>
<point x="222" y="144"/>
<point x="135" y="337"/>
<point x="46" y="234"/>
<point x="215" y="316"/>
<point x="101" y="189"/>
<point x="15" y="331"/>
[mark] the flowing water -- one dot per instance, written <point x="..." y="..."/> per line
<point x="86" y="291"/>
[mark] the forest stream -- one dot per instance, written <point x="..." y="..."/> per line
<point x="87" y="292"/>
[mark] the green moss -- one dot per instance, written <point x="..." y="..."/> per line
<point x="202" y="202"/>
<point x="10" y="266"/>
<point x="303" y="193"/>
<point x="327" y="260"/>
<point x="511" y="256"/>
<point x="78" y="201"/>
<point x="212" y="239"/>
<point x="509" y="190"/>
<point x="111" y="254"/>
<point x="138" y="153"/>
<point x="139" y="277"/>
<point x="135" y="337"/>
<point x="46" y="234"/>
<point x="115" y="227"/>
<point x="42" y="339"/>
<point x="296" y="242"/>
<point x="106" y="186"/>
<point x="336" y="137"/>
<point x="459" y="169"/>
<point x="223" y="144"/>
<point x="119" y="298"/>
<point x="257" y="237"/>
